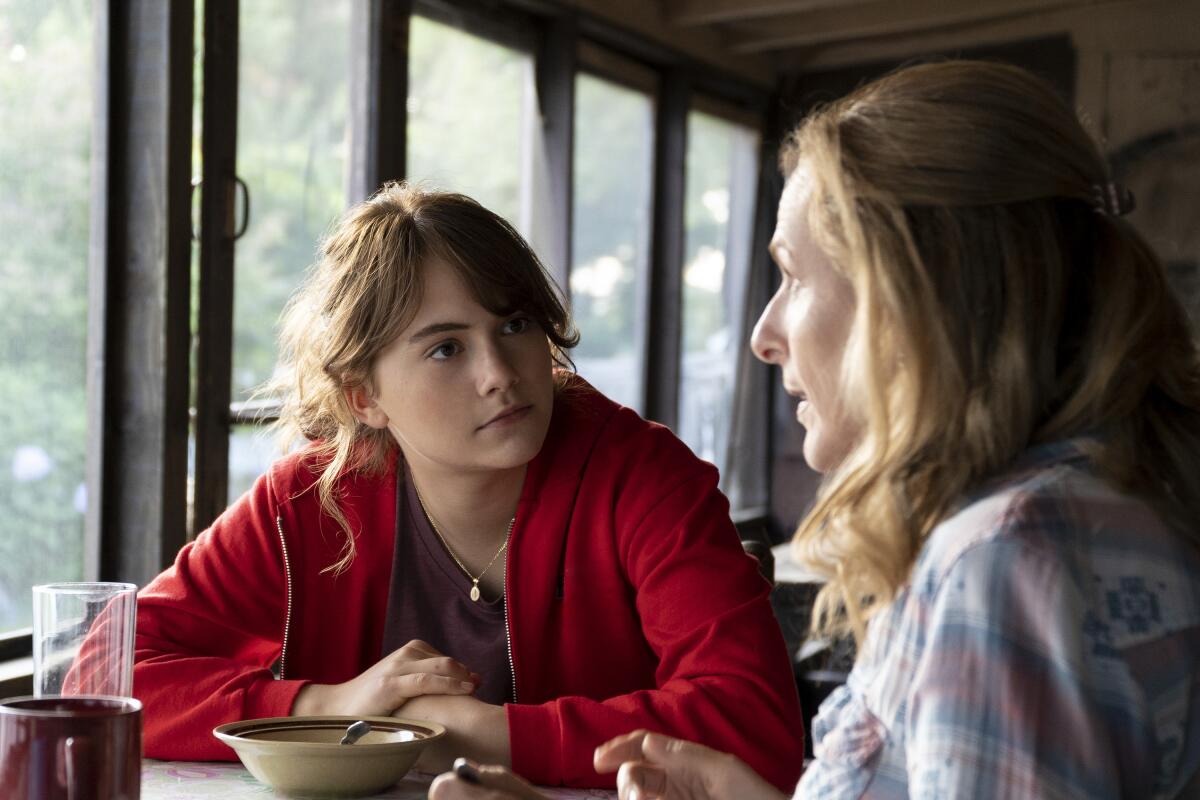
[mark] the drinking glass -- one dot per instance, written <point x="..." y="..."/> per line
<point x="83" y="639"/>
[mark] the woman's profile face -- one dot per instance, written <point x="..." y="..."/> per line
<point x="805" y="328"/>
<point x="460" y="388"/>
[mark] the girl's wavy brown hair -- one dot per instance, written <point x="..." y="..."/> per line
<point x="996" y="309"/>
<point x="366" y="288"/>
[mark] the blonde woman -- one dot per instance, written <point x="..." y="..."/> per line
<point x="1005" y="399"/>
<point x="472" y="536"/>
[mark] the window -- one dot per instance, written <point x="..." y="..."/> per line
<point x="252" y="448"/>
<point x="473" y="122"/>
<point x="470" y="126"/>
<point x="292" y="153"/>
<point x="613" y="175"/>
<point x="46" y="78"/>
<point x="722" y="170"/>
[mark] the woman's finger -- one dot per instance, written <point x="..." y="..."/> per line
<point x="678" y="753"/>
<point x="506" y="781"/>
<point x="615" y="752"/>
<point x="445" y="787"/>
<point x="448" y="787"/>
<point x="494" y="783"/>
<point x="641" y="781"/>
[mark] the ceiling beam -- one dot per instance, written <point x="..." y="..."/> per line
<point x="1124" y="26"/>
<point x="648" y="19"/>
<point x="687" y="13"/>
<point x="883" y="19"/>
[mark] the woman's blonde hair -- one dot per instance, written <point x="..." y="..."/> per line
<point x="364" y="290"/>
<point x="997" y="308"/>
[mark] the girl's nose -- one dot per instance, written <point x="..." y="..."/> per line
<point x="497" y="372"/>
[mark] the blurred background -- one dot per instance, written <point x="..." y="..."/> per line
<point x="168" y="169"/>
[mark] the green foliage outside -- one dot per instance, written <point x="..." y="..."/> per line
<point x="472" y="128"/>
<point x="713" y="281"/>
<point x="613" y="163"/>
<point x="46" y="77"/>
<point x="466" y="111"/>
<point x="293" y="150"/>
<point x="709" y="159"/>
<point x="464" y="134"/>
<point x="293" y="146"/>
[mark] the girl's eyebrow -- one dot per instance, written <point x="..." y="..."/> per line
<point x="435" y="329"/>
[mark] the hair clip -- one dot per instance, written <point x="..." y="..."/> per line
<point x="1113" y="199"/>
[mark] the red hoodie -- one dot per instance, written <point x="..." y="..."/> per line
<point x="630" y="603"/>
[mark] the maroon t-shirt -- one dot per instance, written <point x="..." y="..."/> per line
<point x="429" y="600"/>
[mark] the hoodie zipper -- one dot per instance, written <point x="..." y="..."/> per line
<point x="287" y="621"/>
<point x="512" y="670"/>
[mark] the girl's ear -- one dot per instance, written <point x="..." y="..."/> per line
<point x="364" y="407"/>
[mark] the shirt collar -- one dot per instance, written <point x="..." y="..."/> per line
<point x="1061" y="451"/>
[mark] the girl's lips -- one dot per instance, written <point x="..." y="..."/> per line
<point x="507" y="417"/>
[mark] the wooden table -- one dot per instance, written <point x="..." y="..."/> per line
<point x="200" y="780"/>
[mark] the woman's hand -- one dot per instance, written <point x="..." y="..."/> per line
<point x="487" y="782"/>
<point x="414" y="670"/>
<point x="651" y="766"/>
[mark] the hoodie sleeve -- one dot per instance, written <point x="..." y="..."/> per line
<point x="208" y="630"/>
<point x="723" y="677"/>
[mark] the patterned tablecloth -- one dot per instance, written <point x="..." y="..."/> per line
<point x="193" y="780"/>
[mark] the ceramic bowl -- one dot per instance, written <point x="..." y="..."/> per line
<point x="301" y="756"/>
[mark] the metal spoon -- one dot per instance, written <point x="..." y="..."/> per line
<point x="355" y="732"/>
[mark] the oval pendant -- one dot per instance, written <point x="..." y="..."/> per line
<point x="475" y="593"/>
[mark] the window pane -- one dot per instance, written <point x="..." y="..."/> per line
<point x="719" y="211"/>
<point x="613" y="174"/>
<point x="252" y="448"/>
<point x="467" y="131"/>
<point x="293" y="140"/>
<point x="46" y="75"/>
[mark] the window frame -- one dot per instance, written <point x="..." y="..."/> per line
<point x="563" y="42"/>
<point x="140" y="265"/>
<point x="133" y="528"/>
<point x="602" y="62"/>
<point x="16" y="644"/>
<point x="138" y="293"/>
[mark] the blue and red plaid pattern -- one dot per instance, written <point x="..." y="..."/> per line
<point x="1047" y="645"/>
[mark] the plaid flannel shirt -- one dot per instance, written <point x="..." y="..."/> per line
<point x="1047" y="645"/>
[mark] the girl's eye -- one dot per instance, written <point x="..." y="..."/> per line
<point x="517" y="325"/>
<point x="444" y="351"/>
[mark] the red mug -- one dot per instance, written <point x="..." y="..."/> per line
<point x="71" y="748"/>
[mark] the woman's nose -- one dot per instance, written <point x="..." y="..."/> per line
<point x="765" y="342"/>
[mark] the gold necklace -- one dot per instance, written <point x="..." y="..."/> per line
<point x="474" y="579"/>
